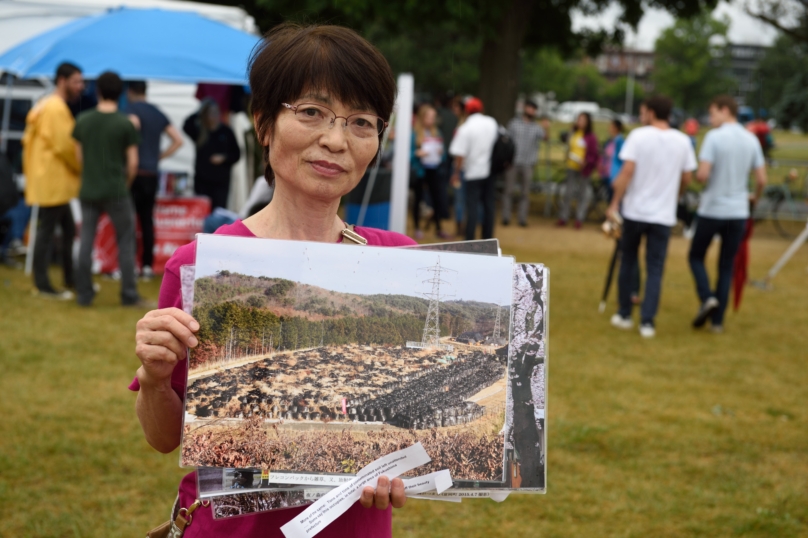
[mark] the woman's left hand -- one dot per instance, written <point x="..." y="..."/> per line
<point x="387" y="492"/>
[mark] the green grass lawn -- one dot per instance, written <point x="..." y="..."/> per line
<point x="688" y="434"/>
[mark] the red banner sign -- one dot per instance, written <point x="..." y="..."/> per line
<point x="176" y="223"/>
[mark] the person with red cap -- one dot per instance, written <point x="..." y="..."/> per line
<point x="471" y="147"/>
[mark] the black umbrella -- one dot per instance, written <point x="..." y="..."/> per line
<point x="609" y="277"/>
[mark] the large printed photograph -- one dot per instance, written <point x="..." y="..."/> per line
<point x="321" y="358"/>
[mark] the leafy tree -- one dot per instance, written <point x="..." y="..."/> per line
<point x="613" y="95"/>
<point x="790" y="17"/>
<point x="692" y="61"/>
<point x="793" y="107"/>
<point x="256" y="301"/>
<point x="786" y="59"/>
<point x="587" y="83"/>
<point x="443" y="35"/>
<point x="545" y="70"/>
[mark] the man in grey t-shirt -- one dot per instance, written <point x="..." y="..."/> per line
<point x="526" y="135"/>
<point x="729" y="154"/>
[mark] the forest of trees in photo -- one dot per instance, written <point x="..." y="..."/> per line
<point x="240" y="314"/>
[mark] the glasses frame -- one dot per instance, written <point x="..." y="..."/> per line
<point x="294" y="108"/>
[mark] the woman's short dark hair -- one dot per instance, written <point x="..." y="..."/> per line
<point x="660" y="105"/>
<point x="588" y="116"/>
<point x="334" y="60"/>
<point x="618" y="125"/>
<point x="109" y="85"/>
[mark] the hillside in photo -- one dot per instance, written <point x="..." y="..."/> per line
<point x="243" y="315"/>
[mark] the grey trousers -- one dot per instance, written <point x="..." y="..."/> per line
<point x="122" y="213"/>
<point x="578" y="188"/>
<point x="49" y="217"/>
<point x="521" y="174"/>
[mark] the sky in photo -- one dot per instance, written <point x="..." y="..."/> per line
<point x="359" y="270"/>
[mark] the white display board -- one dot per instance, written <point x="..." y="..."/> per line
<point x="399" y="190"/>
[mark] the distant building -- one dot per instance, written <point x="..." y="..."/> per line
<point x="616" y="63"/>
<point x="744" y="61"/>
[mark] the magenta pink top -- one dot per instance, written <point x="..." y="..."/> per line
<point x="357" y="522"/>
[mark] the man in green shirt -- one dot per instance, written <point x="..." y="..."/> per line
<point x="106" y="145"/>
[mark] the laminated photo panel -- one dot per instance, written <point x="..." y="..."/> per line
<point x="528" y="360"/>
<point x="319" y="358"/>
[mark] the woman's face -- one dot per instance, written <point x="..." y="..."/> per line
<point x="212" y="117"/>
<point x="429" y="118"/>
<point x="581" y="123"/>
<point x="613" y="130"/>
<point x="324" y="164"/>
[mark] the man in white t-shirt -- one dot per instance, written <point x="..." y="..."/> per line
<point x="658" y="162"/>
<point x="729" y="154"/>
<point x="471" y="147"/>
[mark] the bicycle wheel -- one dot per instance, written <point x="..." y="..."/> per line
<point x="600" y="203"/>
<point x="789" y="217"/>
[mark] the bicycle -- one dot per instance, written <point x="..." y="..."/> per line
<point x="785" y="205"/>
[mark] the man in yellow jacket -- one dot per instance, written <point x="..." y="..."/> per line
<point x="52" y="175"/>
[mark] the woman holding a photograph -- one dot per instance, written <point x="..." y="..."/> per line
<point x="322" y="97"/>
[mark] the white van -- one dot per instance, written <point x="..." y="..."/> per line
<point x="567" y="112"/>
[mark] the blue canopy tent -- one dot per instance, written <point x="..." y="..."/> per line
<point x="137" y="44"/>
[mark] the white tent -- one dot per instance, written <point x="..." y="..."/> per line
<point x="23" y="19"/>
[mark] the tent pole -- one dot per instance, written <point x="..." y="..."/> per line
<point x="6" y="113"/>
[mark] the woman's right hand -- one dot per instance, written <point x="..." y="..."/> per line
<point x="161" y="340"/>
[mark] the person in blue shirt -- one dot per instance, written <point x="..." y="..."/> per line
<point x="616" y="130"/>
<point x="729" y="156"/>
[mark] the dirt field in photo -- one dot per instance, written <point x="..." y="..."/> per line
<point x="470" y="452"/>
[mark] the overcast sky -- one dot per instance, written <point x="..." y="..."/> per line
<point x="743" y="28"/>
<point x="355" y="269"/>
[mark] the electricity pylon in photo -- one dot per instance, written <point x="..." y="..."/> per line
<point x="497" y="324"/>
<point x="431" y="335"/>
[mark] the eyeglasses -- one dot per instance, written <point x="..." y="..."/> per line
<point x="315" y="117"/>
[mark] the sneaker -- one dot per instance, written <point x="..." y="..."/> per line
<point x="647" y="330"/>
<point x="66" y="295"/>
<point x="17" y="248"/>
<point x="622" y="323"/>
<point x="506" y="222"/>
<point x="419" y="235"/>
<point x="560" y="223"/>
<point x="114" y="275"/>
<point x="578" y="224"/>
<point x="523" y="224"/>
<point x="707" y="308"/>
<point x="717" y="329"/>
<point x="146" y="274"/>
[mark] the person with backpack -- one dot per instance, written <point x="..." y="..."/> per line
<point x="582" y="160"/>
<point x="473" y="150"/>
